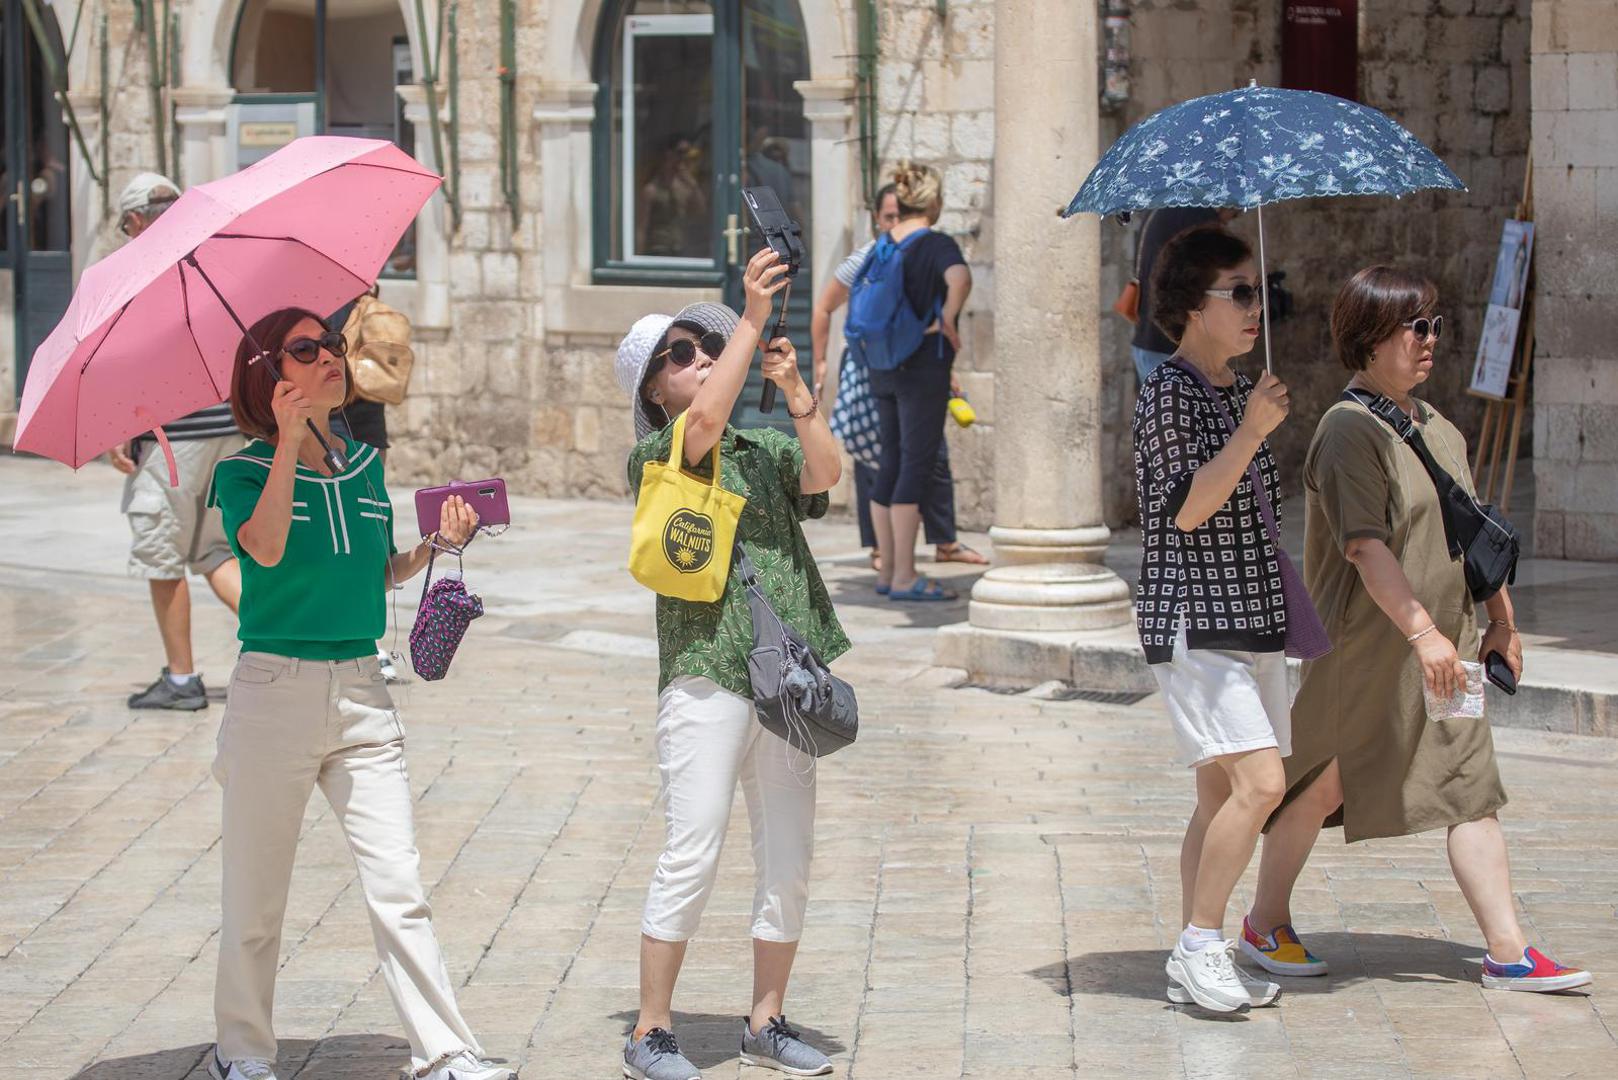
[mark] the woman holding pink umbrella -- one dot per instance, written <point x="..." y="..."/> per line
<point x="308" y="705"/>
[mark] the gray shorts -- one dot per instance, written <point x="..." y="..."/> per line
<point x="174" y="530"/>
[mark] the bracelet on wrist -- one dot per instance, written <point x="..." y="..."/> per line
<point x="814" y="407"/>
<point x="1502" y="622"/>
<point x="1419" y="634"/>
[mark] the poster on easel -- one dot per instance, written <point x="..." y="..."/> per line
<point x="1497" y="351"/>
<point x="1497" y="344"/>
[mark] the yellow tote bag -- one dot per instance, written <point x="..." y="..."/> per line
<point x="685" y="528"/>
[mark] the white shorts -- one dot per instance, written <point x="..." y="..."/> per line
<point x="1225" y="702"/>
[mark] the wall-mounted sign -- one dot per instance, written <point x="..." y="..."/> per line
<point x="271" y="134"/>
<point x="1320" y="46"/>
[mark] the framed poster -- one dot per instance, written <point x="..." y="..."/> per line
<point x="1497" y="351"/>
<point x="1511" y="264"/>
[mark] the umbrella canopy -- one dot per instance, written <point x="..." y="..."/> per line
<point x="1245" y="148"/>
<point x="152" y="329"/>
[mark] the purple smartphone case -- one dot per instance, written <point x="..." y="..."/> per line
<point x="487" y="497"/>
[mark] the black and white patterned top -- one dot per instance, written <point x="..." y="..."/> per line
<point x="1222" y="578"/>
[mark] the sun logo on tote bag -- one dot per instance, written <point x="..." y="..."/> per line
<point x="685" y="527"/>
<point x="688" y="541"/>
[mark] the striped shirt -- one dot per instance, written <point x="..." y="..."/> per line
<point x="209" y="423"/>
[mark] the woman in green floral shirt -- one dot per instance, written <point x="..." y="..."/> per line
<point x="708" y="739"/>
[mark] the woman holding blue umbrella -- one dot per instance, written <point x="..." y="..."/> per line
<point x="1210" y="606"/>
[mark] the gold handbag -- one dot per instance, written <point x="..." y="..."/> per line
<point x="379" y="351"/>
<point x="685" y="528"/>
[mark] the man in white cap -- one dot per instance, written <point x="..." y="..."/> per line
<point x="174" y="530"/>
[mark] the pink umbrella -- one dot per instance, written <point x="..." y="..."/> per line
<point x="152" y="330"/>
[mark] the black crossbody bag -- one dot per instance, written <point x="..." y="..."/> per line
<point x="1478" y="534"/>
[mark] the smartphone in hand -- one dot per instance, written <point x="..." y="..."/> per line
<point x="1499" y="672"/>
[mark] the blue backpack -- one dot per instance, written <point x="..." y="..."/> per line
<point x="882" y="329"/>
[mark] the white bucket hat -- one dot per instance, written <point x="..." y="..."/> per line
<point x="636" y="350"/>
<point x="145" y="189"/>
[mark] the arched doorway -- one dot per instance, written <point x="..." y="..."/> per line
<point x="304" y="67"/>
<point x="35" y="224"/>
<point x="696" y="100"/>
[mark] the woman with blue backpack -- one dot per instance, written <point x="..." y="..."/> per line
<point x="902" y="324"/>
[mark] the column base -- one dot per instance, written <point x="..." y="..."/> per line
<point x="1108" y="659"/>
<point x="1049" y="596"/>
<point x="1017" y="547"/>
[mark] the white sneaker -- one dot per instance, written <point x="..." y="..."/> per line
<point x="245" y="1069"/>
<point x="468" y="1066"/>
<point x="1209" y="977"/>
<point x="1260" y="992"/>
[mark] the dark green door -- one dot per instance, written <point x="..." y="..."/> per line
<point x="34" y="180"/>
<point x="769" y="52"/>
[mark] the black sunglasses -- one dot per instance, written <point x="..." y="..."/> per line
<point x="307" y="350"/>
<point x="1425" y="328"/>
<point x="683" y="353"/>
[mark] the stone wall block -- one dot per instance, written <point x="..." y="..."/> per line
<point x="970" y="32"/>
<point x="909" y="34"/>
<point x="966" y="184"/>
<point x="1598" y="430"/>
<point x="1592" y="81"/>
<point x="552" y="426"/>
<point x="959" y="86"/>
<point x="1590" y="536"/>
<point x="1548" y="534"/>
<point x="1455" y="7"/>
<point x="465" y="276"/>
<point x="972" y="136"/>
<point x="500" y="274"/>
<point x="487" y="320"/>
<point x="1493" y="89"/>
<point x="474" y="234"/>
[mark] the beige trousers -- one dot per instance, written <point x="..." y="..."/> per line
<point x="289" y="725"/>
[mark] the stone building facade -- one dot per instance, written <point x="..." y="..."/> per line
<point x="1575" y="121"/>
<point x="518" y="305"/>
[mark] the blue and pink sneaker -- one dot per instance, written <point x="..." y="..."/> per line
<point x="1280" y="952"/>
<point x="1536" y="973"/>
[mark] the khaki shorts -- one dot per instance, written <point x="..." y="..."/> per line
<point x="174" y="530"/>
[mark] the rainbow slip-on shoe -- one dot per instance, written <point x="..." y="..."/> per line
<point x="1536" y="973"/>
<point x="1280" y="952"/>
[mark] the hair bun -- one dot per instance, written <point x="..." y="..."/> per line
<point x="917" y="185"/>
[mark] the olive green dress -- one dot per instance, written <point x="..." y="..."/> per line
<point x="1362" y="702"/>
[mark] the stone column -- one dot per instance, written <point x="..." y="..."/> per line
<point x="1048" y="534"/>
<point x="202" y="115"/>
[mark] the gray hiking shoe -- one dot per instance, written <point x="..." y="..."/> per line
<point x="163" y="694"/>
<point x="656" y="1056"/>
<point x="782" y="1047"/>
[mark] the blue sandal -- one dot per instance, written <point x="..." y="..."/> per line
<point x="926" y="591"/>
<point x="883" y="588"/>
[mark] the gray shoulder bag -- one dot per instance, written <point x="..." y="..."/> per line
<point x="796" y="697"/>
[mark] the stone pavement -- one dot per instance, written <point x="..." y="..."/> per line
<point x="995" y="886"/>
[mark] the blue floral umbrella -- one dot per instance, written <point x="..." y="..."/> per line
<point x="1245" y="148"/>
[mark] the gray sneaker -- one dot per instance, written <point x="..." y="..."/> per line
<point x="163" y="694"/>
<point x="656" y="1056"/>
<point x="782" y="1047"/>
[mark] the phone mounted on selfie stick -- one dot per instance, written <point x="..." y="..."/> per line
<point x="785" y="238"/>
<point x="335" y="459"/>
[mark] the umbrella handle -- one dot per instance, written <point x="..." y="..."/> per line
<point x="1264" y="292"/>
<point x="334" y="458"/>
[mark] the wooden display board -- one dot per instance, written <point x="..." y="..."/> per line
<point x="1495" y="463"/>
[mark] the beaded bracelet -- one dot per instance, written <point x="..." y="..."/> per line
<point x="1413" y="638"/>
<point x="1501" y="622"/>
<point x="814" y="406"/>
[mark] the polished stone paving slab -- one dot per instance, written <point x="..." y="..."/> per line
<point x="995" y="882"/>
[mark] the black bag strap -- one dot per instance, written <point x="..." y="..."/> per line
<point x="1383" y="408"/>
<point x="434" y="546"/>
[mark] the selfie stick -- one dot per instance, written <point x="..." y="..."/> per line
<point x="335" y="459"/>
<point x="766" y="400"/>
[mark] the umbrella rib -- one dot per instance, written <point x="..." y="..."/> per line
<point x="78" y="383"/>
<point x="292" y="240"/>
<point x="185" y="306"/>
